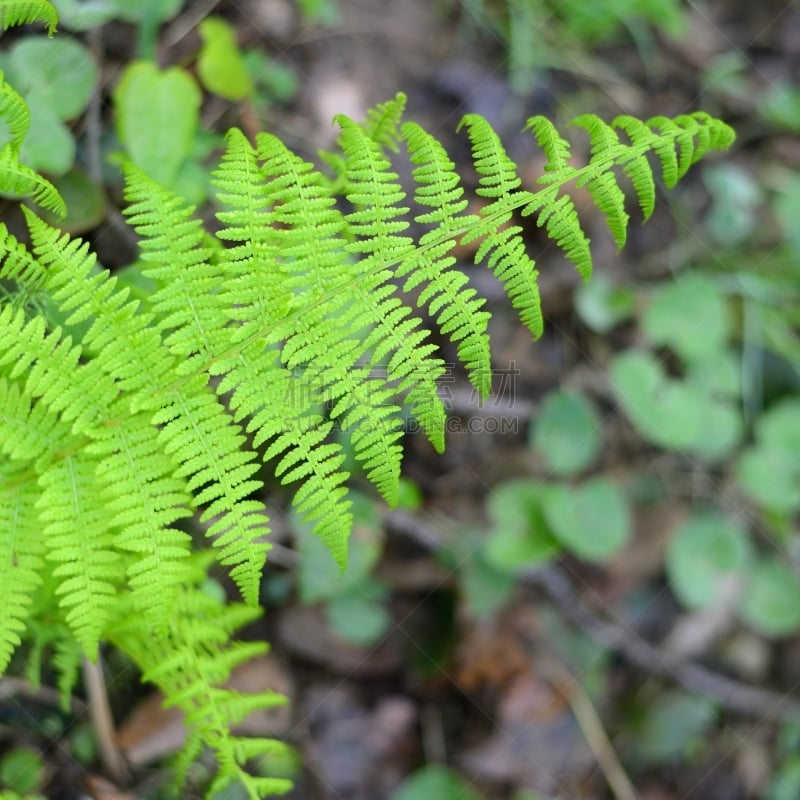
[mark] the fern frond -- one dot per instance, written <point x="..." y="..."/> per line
<point x="458" y="310"/>
<point x="21" y="554"/>
<point x="599" y="179"/>
<point x="188" y="302"/>
<point x="23" y="12"/>
<point x="20" y="267"/>
<point x="270" y="394"/>
<point x="503" y="247"/>
<point x="194" y="425"/>
<point x="383" y="120"/>
<point x="635" y="163"/>
<point x="381" y="126"/>
<point x="397" y="342"/>
<point x="21" y="181"/>
<point x="201" y="436"/>
<point x="80" y="541"/>
<point x="189" y="663"/>
<point x="143" y="498"/>
<point x="694" y="135"/>
<point x="557" y="213"/>
<point x="141" y="495"/>
<point x="14" y="112"/>
<point x="76" y="392"/>
<point x="322" y="497"/>
<point x="326" y="348"/>
<point x="17" y="179"/>
<point x="555" y="147"/>
<point x="122" y="337"/>
<point x="28" y="431"/>
<point x="118" y="423"/>
<point x="257" y="295"/>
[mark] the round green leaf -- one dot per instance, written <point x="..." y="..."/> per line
<point x="719" y="425"/>
<point x="780" y="105"/>
<point x="21" y="770"/>
<point x="642" y="389"/>
<point x="673" y="724"/>
<point x="150" y="12"/>
<point x="409" y="495"/>
<point x="771" y="600"/>
<point x="601" y="305"/>
<point x="779" y="427"/>
<point x="670" y="413"/>
<point x="220" y="64"/>
<point x="49" y="146"/>
<point x="83" y="15"/>
<point x="566" y="432"/>
<point x="519" y="536"/>
<point x="592" y="520"/>
<point x="770" y="478"/>
<point x="702" y="554"/>
<point x="690" y="316"/>
<point x="483" y="587"/>
<point x="358" y="615"/>
<point x="736" y="200"/>
<point x="435" y="782"/>
<point x="157" y="114"/>
<point x="60" y="73"/>
<point x="275" y="81"/>
<point x="85" y="202"/>
<point x="769" y="472"/>
<point x="719" y="374"/>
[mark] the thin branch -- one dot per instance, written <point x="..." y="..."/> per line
<point x="12" y="687"/>
<point x="728" y="692"/>
<point x="593" y="731"/>
<point x="185" y="23"/>
<point x="103" y="723"/>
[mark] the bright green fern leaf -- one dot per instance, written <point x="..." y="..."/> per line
<point x="190" y="662"/>
<point x="79" y="540"/>
<point x="397" y="343"/>
<point x="21" y="553"/>
<point x="502" y="245"/>
<point x="23" y="12"/>
<point x="302" y="323"/>
<point x="458" y="310"/>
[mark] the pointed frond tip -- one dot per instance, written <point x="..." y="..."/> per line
<point x="24" y="12"/>
<point x="19" y="180"/>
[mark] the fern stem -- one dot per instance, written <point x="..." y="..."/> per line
<point x="103" y="722"/>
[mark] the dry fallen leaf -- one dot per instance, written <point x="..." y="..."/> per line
<point x="537" y="742"/>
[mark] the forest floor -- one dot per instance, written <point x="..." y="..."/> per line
<point x="577" y="680"/>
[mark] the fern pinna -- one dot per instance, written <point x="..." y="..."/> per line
<point x="123" y="418"/>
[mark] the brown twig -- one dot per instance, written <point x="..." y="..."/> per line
<point x="12" y="687"/>
<point x="593" y="731"/>
<point x="728" y="692"/>
<point x="103" y="723"/>
<point x="185" y="23"/>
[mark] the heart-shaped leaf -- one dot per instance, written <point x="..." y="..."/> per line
<point x="566" y="431"/>
<point x="771" y="600"/>
<point x="592" y="520"/>
<point x="157" y="115"/>
<point x="707" y="550"/>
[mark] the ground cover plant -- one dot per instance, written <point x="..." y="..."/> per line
<point x="280" y="350"/>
